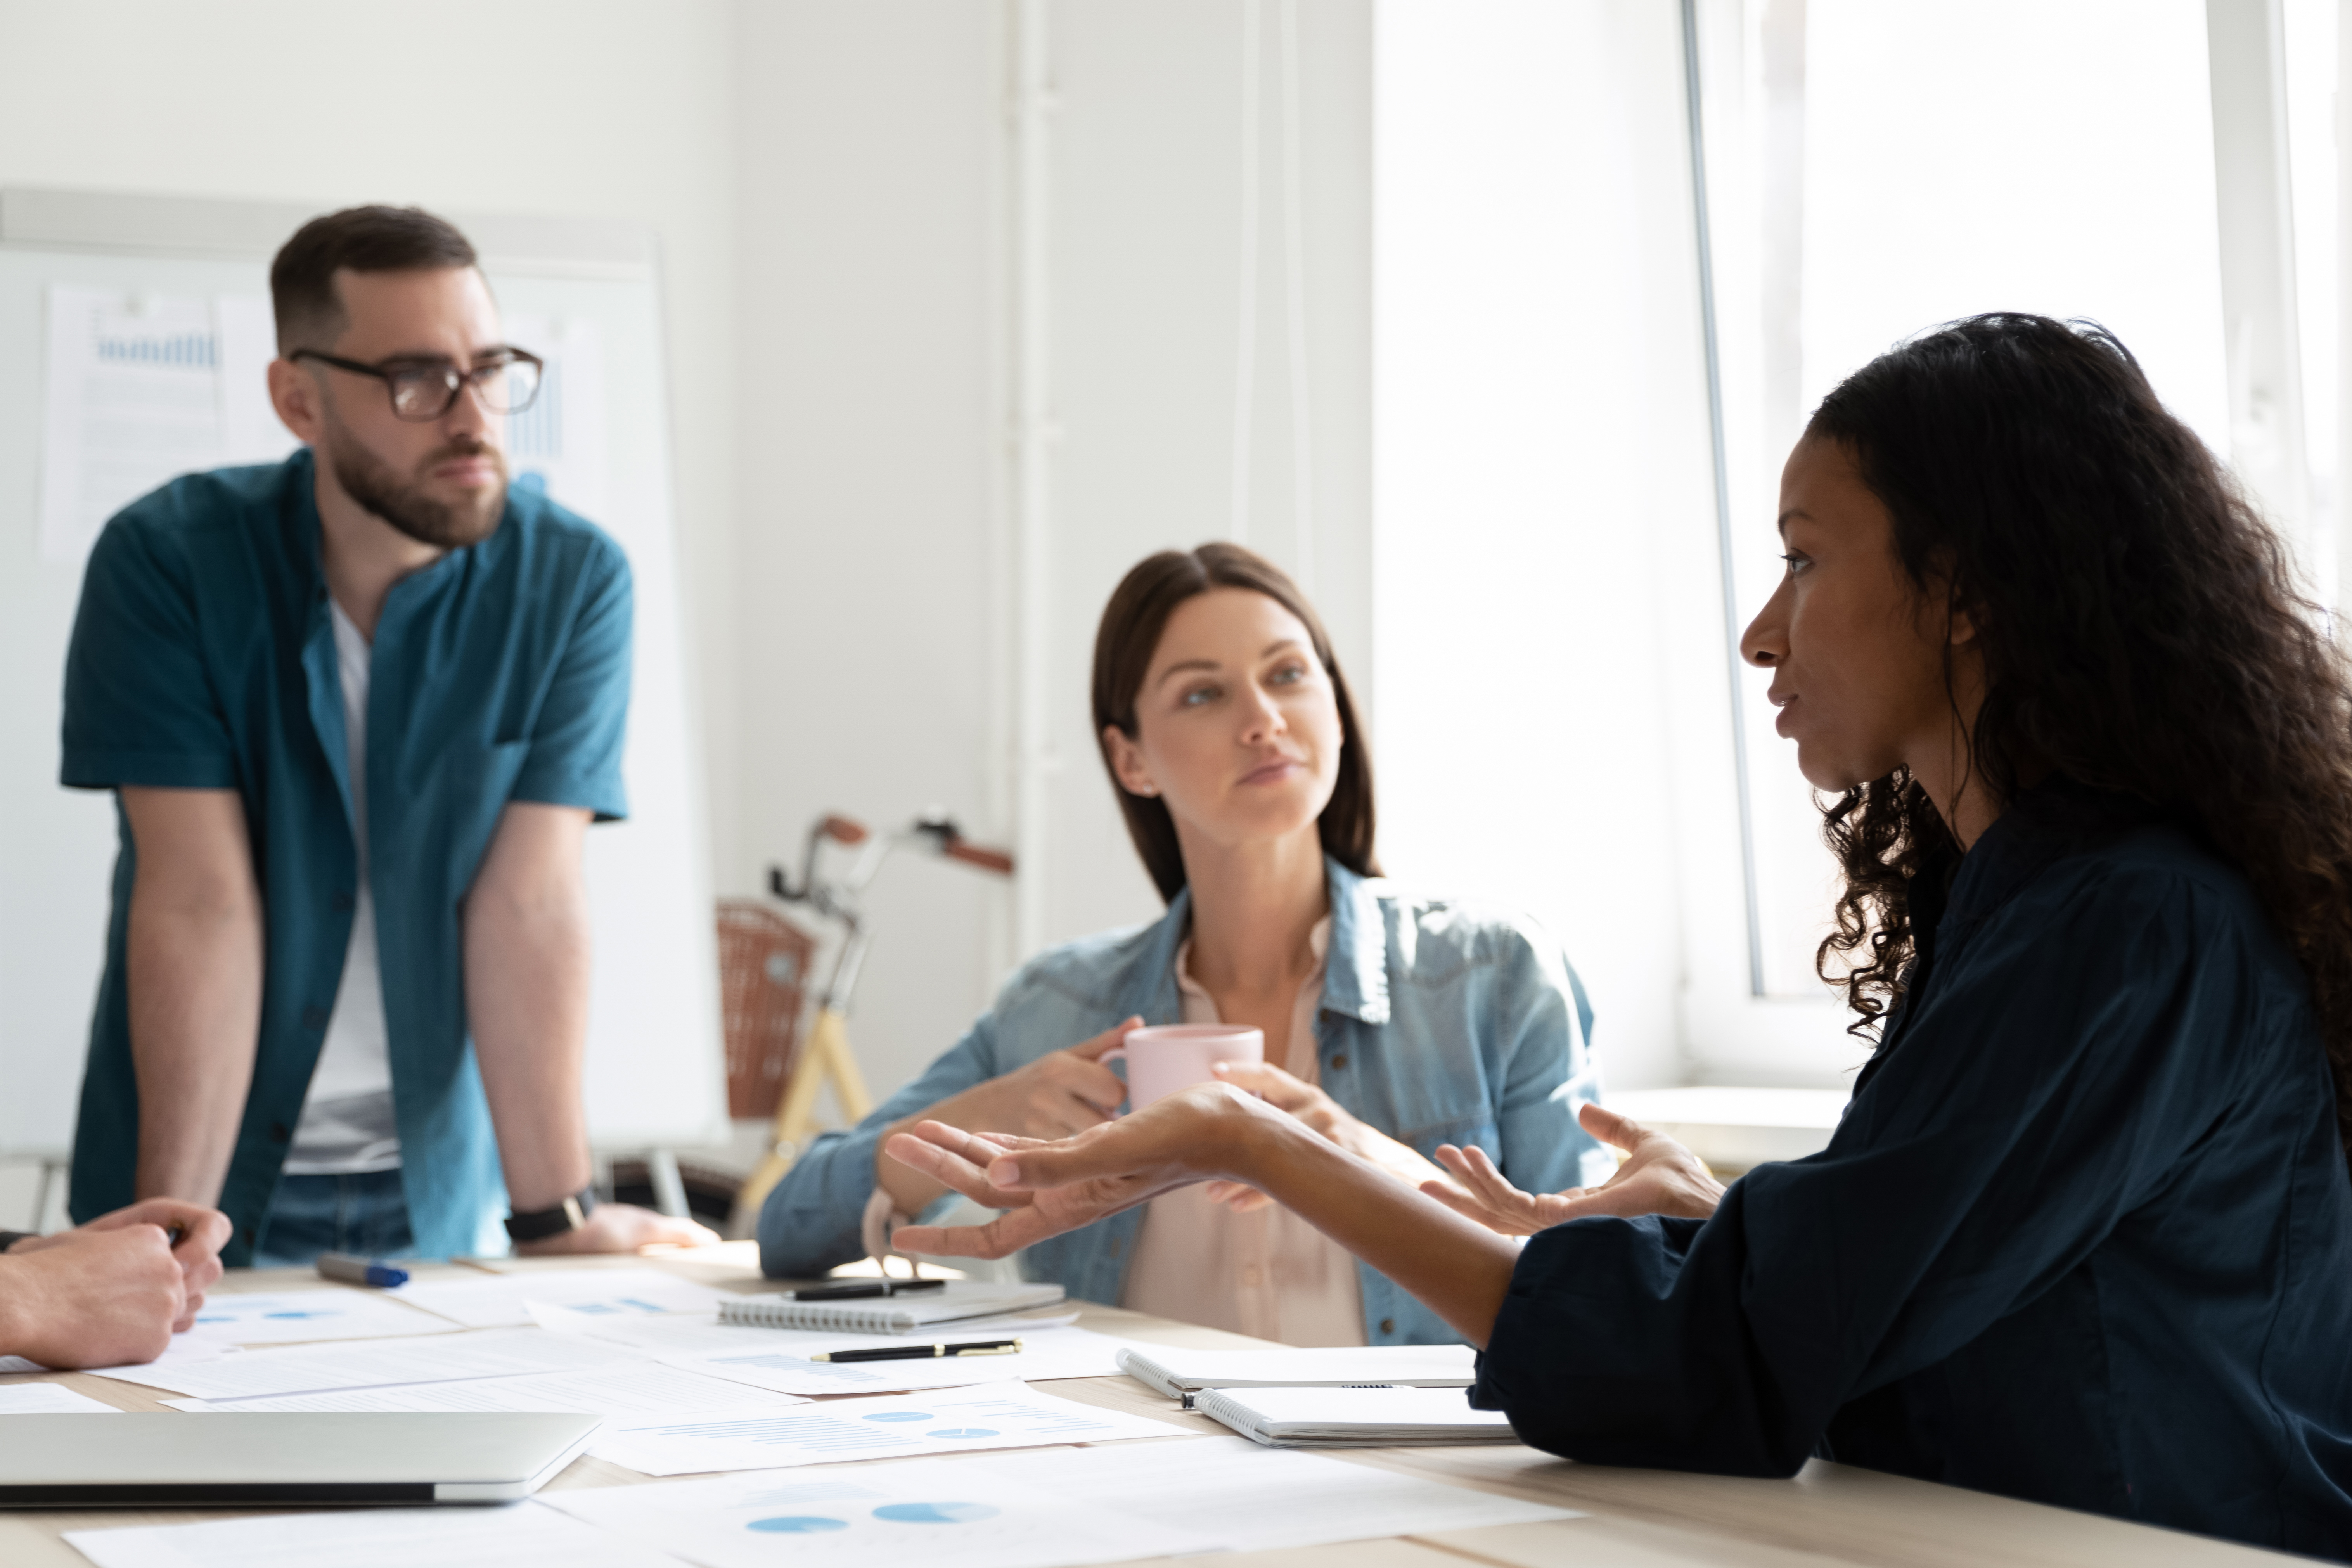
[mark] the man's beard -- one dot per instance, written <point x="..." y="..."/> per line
<point x="370" y="481"/>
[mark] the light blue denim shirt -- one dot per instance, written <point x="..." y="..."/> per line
<point x="1438" y="1024"/>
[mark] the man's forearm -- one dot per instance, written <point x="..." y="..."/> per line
<point x="195" y="973"/>
<point x="527" y="973"/>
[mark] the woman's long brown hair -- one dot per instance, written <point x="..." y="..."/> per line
<point x="1128" y="637"/>
<point x="2141" y="629"/>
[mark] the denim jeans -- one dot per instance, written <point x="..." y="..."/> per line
<point x="366" y="1216"/>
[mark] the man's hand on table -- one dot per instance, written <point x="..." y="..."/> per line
<point x="113" y="1291"/>
<point x="621" y="1228"/>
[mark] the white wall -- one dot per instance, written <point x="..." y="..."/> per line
<point x="1546" y="541"/>
<point x="1150" y="358"/>
<point x="877" y="563"/>
<point x="865" y="593"/>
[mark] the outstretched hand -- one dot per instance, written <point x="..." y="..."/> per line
<point x="1659" y="1176"/>
<point x="1325" y="1117"/>
<point x="1050" y="1187"/>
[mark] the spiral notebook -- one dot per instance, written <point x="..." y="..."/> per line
<point x="889" y="1314"/>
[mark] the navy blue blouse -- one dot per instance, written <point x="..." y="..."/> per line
<point x="2085" y="1234"/>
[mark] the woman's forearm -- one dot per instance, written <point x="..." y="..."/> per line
<point x="1458" y="1270"/>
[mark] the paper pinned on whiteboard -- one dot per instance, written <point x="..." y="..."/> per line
<point x="557" y="444"/>
<point x="140" y="389"/>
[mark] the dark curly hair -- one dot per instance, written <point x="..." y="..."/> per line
<point x="2141" y="630"/>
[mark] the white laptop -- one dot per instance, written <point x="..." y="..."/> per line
<point x="56" y="1461"/>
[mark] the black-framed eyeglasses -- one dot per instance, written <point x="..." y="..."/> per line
<point x="423" y="390"/>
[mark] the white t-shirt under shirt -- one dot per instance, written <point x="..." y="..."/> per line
<point x="1268" y="1272"/>
<point x="347" y="1126"/>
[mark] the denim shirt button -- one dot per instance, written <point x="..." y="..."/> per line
<point x="1339" y="1062"/>
<point x="1388" y="1325"/>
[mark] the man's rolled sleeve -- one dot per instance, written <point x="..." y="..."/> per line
<point x="575" y="745"/>
<point x="140" y="707"/>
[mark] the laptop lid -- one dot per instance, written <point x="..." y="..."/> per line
<point x="94" y="1462"/>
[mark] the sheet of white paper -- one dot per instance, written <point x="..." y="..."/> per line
<point x="778" y="1358"/>
<point x="499" y="1301"/>
<point x="919" y="1514"/>
<point x="49" y="1399"/>
<point x="134" y="399"/>
<point x="626" y="1388"/>
<point x="184" y="1351"/>
<point x="373" y="1364"/>
<point x="328" y="1313"/>
<point x="1263" y="1498"/>
<point x="946" y="1421"/>
<point x="518" y="1533"/>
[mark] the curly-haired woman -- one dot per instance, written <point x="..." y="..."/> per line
<point x="2085" y="1234"/>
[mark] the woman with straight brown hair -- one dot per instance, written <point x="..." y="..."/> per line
<point x="1394" y="1025"/>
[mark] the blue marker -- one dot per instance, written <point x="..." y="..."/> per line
<point x="359" y="1271"/>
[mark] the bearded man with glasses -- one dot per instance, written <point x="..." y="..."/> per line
<point x="358" y="710"/>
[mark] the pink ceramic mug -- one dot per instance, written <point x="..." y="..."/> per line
<point x="1164" y="1058"/>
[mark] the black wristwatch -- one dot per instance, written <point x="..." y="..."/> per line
<point x="9" y="1239"/>
<point x="568" y="1215"/>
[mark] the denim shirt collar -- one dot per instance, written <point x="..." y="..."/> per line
<point x="1355" y="969"/>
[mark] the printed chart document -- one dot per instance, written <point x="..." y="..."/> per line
<point x="778" y="1358"/>
<point x="141" y="388"/>
<point x="628" y="1388"/>
<point x="328" y="1313"/>
<point x="373" y="1364"/>
<point x="49" y="1399"/>
<point x="1253" y="1499"/>
<point x="504" y="1301"/>
<point x="502" y="1537"/>
<point x="947" y="1421"/>
<point x="924" y="1513"/>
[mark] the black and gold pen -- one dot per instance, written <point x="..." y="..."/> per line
<point x="922" y="1352"/>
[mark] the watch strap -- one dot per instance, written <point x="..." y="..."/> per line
<point x="564" y="1218"/>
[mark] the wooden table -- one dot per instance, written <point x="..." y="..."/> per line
<point x="1636" y="1519"/>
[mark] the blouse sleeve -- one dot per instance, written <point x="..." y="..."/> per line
<point x="2048" y="1084"/>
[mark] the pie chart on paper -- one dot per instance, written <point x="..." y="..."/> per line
<point x="934" y="1513"/>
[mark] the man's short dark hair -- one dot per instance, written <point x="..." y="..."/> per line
<point x="365" y="239"/>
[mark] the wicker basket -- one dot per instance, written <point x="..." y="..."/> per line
<point x="764" y="964"/>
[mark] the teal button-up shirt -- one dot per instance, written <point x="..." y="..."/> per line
<point x="203" y="657"/>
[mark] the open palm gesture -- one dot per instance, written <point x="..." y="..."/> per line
<point x="1659" y="1176"/>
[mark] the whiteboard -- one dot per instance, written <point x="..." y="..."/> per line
<point x="655" y="1067"/>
